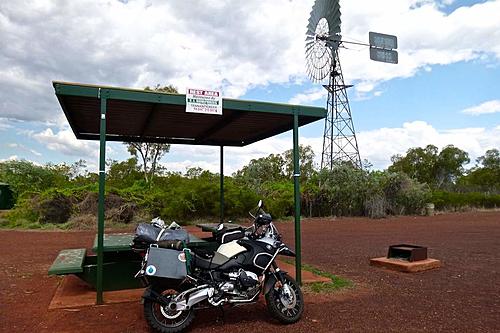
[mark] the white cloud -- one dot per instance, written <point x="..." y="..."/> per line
<point x="309" y="96"/>
<point x="187" y="164"/>
<point x="65" y="142"/>
<point x="10" y="158"/>
<point x="228" y="45"/>
<point x="4" y="126"/>
<point x="23" y="147"/>
<point x="484" y="108"/>
<point x="379" y="145"/>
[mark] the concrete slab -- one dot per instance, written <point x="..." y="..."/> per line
<point x="74" y="293"/>
<point x="405" y="266"/>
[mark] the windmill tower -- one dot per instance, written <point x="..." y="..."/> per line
<point x="323" y="40"/>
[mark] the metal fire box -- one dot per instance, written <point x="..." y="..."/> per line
<point x="407" y="252"/>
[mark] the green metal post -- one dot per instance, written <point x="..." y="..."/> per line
<point x="100" y="218"/>
<point x="221" y="184"/>
<point x="296" y="192"/>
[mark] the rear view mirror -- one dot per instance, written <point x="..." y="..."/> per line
<point x="260" y="204"/>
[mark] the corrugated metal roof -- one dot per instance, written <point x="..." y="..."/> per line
<point x="149" y="116"/>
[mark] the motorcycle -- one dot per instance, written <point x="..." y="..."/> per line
<point x="181" y="281"/>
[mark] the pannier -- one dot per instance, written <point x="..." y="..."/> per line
<point x="166" y="263"/>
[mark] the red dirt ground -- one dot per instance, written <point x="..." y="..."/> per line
<point x="462" y="296"/>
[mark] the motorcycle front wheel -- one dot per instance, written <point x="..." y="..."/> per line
<point x="285" y="301"/>
<point x="164" y="320"/>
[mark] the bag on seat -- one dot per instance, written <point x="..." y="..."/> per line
<point x="148" y="233"/>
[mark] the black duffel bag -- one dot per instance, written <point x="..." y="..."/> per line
<point x="148" y="233"/>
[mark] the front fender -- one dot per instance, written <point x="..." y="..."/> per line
<point x="271" y="280"/>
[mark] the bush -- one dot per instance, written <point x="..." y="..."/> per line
<point x="456" y="201"/>
<point x="55" y="209"/>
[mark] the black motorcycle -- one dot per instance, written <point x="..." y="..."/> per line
<point x="181" y="280"/>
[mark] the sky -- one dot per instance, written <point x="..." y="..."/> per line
<point x="445" y="89"/>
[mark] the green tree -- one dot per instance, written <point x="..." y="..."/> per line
<point x="418" y="163"/>
<point x="490" y="160"/>
<point x="170" y="89"/>
<point x="150" y="153"/>
<point x="262" y="170"/>
<point x="428" y="165"/>
<point x="449" y="166"/>
<point x="485" y="176"/>
<point x="306" y="162"/>
<point x="123" y="174"/>
<point x="25" y="176"/>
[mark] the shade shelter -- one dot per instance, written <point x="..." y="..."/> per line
<point x="129" y="115"/>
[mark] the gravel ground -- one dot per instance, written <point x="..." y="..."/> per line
<point x="462" y="296"/>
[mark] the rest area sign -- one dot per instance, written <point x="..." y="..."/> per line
<point x="203" y="101"/>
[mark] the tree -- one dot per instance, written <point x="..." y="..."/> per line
<point x="418" y="163"/>
<point x="123" y="174"/>
<point x="449" y="166"/>
<point x="490" y="160"/>
<point x="485" y="176"/>
<point x="306" y="162"/>
<point x="438" y="170"/>
<point x="261" y="170"/>
<point x="166" y="89"/>
<point x="150" y="153"/>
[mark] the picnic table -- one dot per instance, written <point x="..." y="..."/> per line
<point x="120" y="261"/>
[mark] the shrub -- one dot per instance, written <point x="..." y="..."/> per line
<point x="56" y="208"/>
<point x="455" y="201"/>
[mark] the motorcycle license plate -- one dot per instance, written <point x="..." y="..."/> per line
<point x="166" y="263"/>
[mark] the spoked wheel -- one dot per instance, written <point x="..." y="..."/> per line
<point x="165" y="320"/>
<point x="285" y="301"/>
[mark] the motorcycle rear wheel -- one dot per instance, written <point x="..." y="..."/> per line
<point x="165" y="320"/>
<point x="287" y="308"/>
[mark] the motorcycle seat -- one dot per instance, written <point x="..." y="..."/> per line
<point x="210" y="263"/>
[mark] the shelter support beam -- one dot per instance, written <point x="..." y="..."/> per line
<point x="296" y="192"/>
<point x="100" y="215"/>
<point x="221" y="184"/>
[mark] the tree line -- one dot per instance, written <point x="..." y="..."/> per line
<point x="138" y="188"/>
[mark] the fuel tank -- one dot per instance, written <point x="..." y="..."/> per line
<point x="257" y="256"/>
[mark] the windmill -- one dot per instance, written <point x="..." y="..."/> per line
<point x="323" y="40"/>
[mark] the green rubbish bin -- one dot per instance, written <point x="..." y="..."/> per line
<point x="6" y="196"/>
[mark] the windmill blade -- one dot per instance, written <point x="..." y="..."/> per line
<point x="319" y="51"/>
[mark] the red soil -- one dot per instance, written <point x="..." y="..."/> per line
<point x="463" y="295"/>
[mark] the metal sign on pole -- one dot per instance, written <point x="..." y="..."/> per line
<point x="383" y="41"/>
<point x="382" y="47"/>
<point x="388" y="56"/>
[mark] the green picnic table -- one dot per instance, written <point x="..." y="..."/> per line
<point x="120" y="261"/>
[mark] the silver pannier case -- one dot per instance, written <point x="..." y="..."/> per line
<point x="166" y="263"/>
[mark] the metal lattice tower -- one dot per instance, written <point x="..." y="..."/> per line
<point x="339" y="138"/>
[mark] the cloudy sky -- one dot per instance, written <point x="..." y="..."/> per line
<point x="445" y="89"/>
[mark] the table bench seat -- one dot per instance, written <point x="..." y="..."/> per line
<point x="68" y="261"/>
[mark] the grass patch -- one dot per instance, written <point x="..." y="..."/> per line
<point x="337" y="283"/>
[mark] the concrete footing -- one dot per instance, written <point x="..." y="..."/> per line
<point x="405" y="266"/>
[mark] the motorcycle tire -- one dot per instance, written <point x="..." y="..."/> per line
<point x="166" y="321"/>
<point x="287" y="311"/>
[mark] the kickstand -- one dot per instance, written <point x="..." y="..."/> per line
<point x="221" y="316"/>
